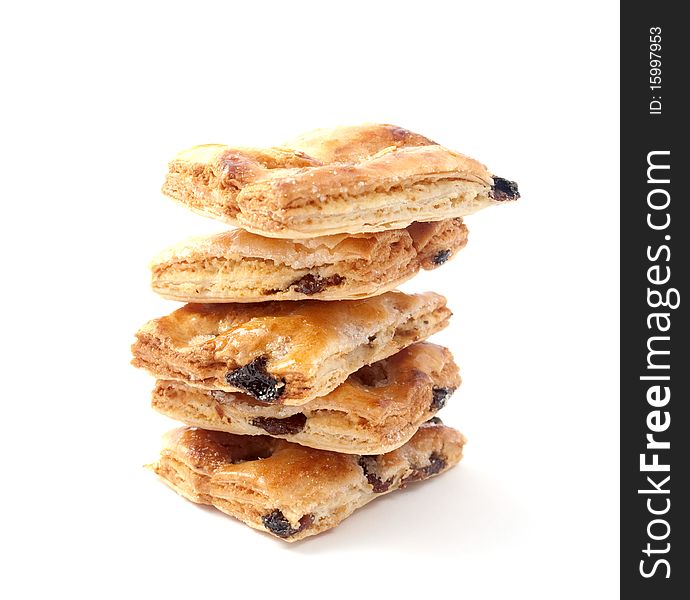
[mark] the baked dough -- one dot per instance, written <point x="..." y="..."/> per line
<point x="284" y="352"/>
<point x="376" y="410"/>
<point x="289" y="490"/>
<point x="344" y="180"/>
<point x="238" y="266"/>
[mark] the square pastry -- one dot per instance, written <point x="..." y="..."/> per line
<point x="376" y="410"/>
<point x="292" y="491"/>
<point x="238" y="266"/>
<point x="284" y="352"/>
<point x="344" y="180"/>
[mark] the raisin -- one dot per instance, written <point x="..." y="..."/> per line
<point x="306" y="521"/>
<point x="278" y="525"/>
<point x="368" y="464"/>
<point x="440" y="396"/>
<point x="434" y="421"/>
<point x="287" y="426"/>
<point x="441" y="257"/>
<point x="313" y="284"/>
<point x="254" y="379"/>
<point x="502" y="190"/>
<point x="436" y="464"/>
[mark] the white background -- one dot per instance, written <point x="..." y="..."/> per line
<point x="95" y="101"/>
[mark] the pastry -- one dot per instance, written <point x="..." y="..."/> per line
<point x="238" y="266"/>
<point x="376" y="410"/>
<point x="284" y="352"/>
<point x="345" y="180"/>
<point x="289" y="490"/>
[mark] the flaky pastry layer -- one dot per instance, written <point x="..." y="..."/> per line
<point x="292" y="491"/>
<point x="376" y="410"/>
<point x="346" y="180"/>
<point x="284" y="352"/>
<point x="238" y="266"/>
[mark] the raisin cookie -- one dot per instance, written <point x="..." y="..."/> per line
<point x="289" y="490"/>
<point x="345" y="180"/>
<point x="238" y="266"/>
<point x="284" y="352"/>
<point x="376" y="410"/>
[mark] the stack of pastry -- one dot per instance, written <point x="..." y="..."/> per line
<point x="304" y="382"/>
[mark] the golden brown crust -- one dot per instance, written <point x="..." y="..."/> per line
<point x="238" y="266"/>
<point x="376" y="410"/>
<point x="284" y="352"/>
<point x="355" y="143"/>
<point x="292" y="491"/>
<point x="345" y="180"/>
